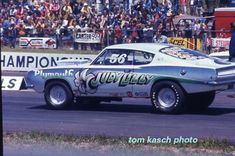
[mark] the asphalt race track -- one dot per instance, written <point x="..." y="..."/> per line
<point x="25" y="111"/>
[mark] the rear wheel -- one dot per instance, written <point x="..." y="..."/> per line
<point x="168" y="97"/>
<point x="58" y="95"/>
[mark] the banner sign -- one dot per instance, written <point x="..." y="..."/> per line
<point x="11" y="83"/>
<point x="87" y="37"/>
<point x="37" y="42"/>
<point x="221" y="42"/>
<point x="19" y="61"/>
<point x="186" y="42"/>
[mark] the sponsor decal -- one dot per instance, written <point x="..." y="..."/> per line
<point x="65" y="73"/>
<point x="37" y="42"/>
<point x="221" y="42"/>
<point x="121" y="78"/>
<point x="11" y="83"/>
<point x="186" y="42"/>
<point x="88" y="83"/>
<point x="87" y="37"/>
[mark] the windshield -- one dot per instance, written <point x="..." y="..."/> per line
<point x="183" y="53"/>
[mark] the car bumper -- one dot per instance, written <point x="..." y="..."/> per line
<point x="28" y="86"/>
<point x="225" y="81"/>
<point x="222" y="82"/>
<point x="34" y="82"/>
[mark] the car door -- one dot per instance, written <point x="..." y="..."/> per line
<point x="109" y="75"/>
<point x="143" y="73"/>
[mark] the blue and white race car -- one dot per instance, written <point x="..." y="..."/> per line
<point x="174" y="78"/>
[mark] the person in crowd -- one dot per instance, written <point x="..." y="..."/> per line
<point x="184" y="6"/>
<point x="148" y="33"/>
<point x="134" y="36"/>
<point x="20" y="11"/>
<point x="159" y="38"/>
<point x="1" y="32"/>
<point x="175" y="4"/>
<point x="196" y="28"/>
<point x="21" y="29"/>
<point x="66" y="9"/>
<point x="86" y="9"/>
<point x="203" y="36"/>
<point x="209" y="44"/>
<point x="199" y="7"/>
<point x="37" y="12"/>
<point x="192" y="7"/>
<point x="188" y="31"/>
<point x="5" y="27"/>
<point x="111" y="35"/>
<point x="76" y="8"/>
<point x="114" y="23"/>
<point x="12" y="36"/>
<point x="29" y="27"/>
<point x="54" y="8"/>
<point x="232" y="44"/>
<point x="118" y="34"/>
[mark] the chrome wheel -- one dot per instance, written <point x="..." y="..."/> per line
<point x="57" y="95"/>
<point x="166" y="97"/>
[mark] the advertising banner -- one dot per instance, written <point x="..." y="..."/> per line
<point x="221" y="42"/>
<point x="37" y="42"/>
<point x="186" y="42"/>
<point x="11" y="83"/>
<point x="19" y="61"/>
<point x="87" y="37"/>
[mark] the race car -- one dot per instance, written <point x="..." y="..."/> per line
<point x="174" y="78"/>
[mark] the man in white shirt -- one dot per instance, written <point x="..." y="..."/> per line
<point x="159" y="38"/>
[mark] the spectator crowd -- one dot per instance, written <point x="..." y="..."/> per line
<point x="145" y="21"/>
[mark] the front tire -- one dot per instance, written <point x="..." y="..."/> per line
<point x="58" y="95"/>
<point x="168" y="97"/>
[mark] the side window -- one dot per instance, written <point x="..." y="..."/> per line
<point x="118" y="57"/>
<point x="100" y="60"/>
<point x="141" y="58"/>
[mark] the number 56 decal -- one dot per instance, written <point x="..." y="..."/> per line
<point x="116" y="58"/>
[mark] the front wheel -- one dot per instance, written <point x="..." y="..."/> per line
<point x="168" y="97"/>
<point x="58" y="95"/>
